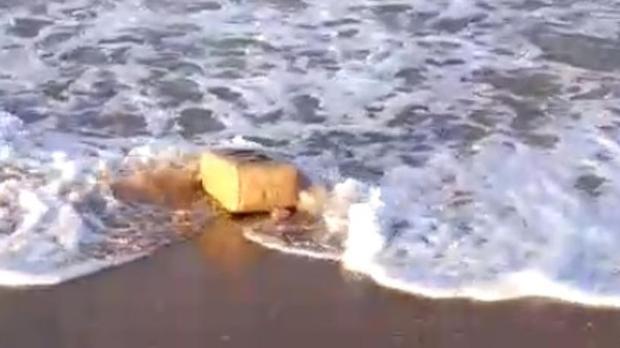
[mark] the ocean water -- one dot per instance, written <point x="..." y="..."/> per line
<point x="472" y="148"/>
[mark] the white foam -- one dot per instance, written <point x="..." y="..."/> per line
<point x="506" y="222"/>
<point x="48" y="232"/>
<point x="44" y="247"/>
<point x="278" y="245"/>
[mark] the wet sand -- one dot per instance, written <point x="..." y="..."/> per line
<point x="222" y="291"/>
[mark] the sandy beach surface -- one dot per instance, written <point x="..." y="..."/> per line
<point x="222" y="291"/>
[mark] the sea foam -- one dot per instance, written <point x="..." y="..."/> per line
<point x="503" y="222"/>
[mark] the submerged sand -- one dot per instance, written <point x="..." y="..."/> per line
<point x="221" y="290"/>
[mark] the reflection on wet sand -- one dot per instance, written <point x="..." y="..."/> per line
<point x="218" y="237"/>
<point x="222" y="243"/>
<point x="178" y="190"/>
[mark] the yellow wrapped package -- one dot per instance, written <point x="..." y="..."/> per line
<point x="245" y="181"/>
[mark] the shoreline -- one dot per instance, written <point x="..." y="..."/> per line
<point x="222" y="290"/>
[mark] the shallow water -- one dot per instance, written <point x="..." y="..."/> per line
<point x="473" y="146"/>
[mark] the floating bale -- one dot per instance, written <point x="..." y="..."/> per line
<point x="246" y="181"/>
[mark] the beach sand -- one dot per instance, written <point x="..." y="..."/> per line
<point x="223" y="291"/>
